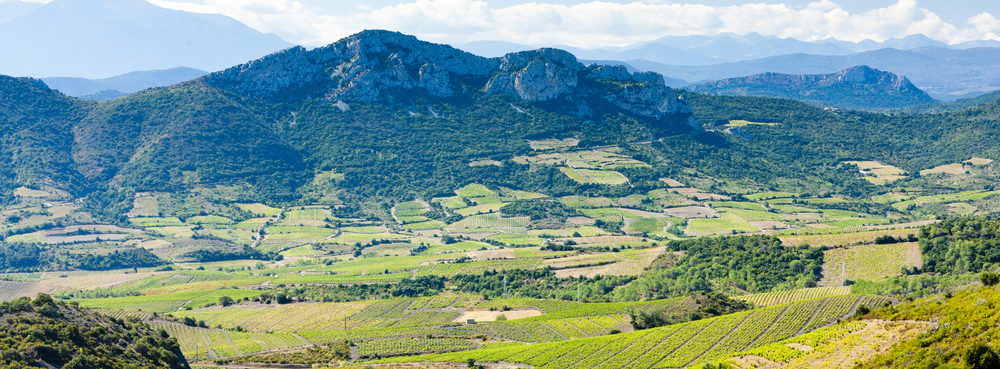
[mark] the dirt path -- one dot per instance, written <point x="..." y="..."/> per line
<point x="230" y="340"/>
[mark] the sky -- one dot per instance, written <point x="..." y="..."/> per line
<point x="595" y="24"/>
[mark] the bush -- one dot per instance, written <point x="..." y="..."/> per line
<point x="989" y="279"/>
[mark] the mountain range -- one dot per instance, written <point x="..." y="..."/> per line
<point x="946" y="72"/>
<point x="276" y="120"/>
<point x="859" y="88"/>
<point x="103" y="38"/>
<point x="699" y="50"/>
<point x="121" y="85"/>
<point x="393" y="116"/>
<point x="97" y="39"/>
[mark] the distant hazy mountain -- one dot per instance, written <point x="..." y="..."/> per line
<point x="860" y="88"/>
<point x="722" y="48"/>
<point x="109" y="88"/>
<point x="101" y="38"/>
<point x="945" y="74"/>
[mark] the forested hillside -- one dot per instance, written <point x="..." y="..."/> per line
<point x="422" y="142"/>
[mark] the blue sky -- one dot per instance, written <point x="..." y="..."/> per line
<point x="608" y="23"/>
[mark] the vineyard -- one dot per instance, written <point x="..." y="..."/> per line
<point x="491" y="221"/>
<point x="784" y="297"/>
<point x="868" y="262"/>
<point x="13" y="290"/>
<point x="676" y="345"/>
<point x="844" y="238"/>
<point x="409" y="346"/>
<point x="215" y="343"/>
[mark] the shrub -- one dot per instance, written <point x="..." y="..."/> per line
<point x="989" y="279"/>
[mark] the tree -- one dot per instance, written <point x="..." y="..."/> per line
<point x="225" y="300"/>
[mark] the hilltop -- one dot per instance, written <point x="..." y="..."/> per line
<point x="859" y="88"/>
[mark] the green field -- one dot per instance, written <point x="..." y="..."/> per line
<point x="594" y="176"/>
<point x="725" y="223"/>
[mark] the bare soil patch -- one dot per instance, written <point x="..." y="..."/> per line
<point x="672" y="183"/>
<point x="691" y="212"/>
<point x="768" y="224"/>
<point x="489" y="316"/>
<point x="618" y="268"/>
<point x="303" y="222"/>
<point x="580" y="221"/>
<point x="94" y="281"/>
<point x="492" y="254"/>
<point x="953" y="169"/>
<point x="644" y="214"/>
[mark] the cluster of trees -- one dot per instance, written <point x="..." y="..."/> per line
<point x="26" y="257"/>
<point x="228" y="251"/>
<point x="130" y="258"/>
<point x="889" y="239"/>
<point x="421" y="286"/>
<point x="750" y="263"/>
<point x="709" y="305"/>
<point x="961" y="245"/>
<point x="537" y="283"/>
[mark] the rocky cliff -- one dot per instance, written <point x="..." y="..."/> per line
<point x="859" y="87"/>
<point x="383" y="66"/>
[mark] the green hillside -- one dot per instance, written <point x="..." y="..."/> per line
<point x="383" y="201"/>
<point x="45" y="333"/>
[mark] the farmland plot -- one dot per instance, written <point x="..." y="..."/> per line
<point x="595" y="176"/>
<point x="868" y="262"/>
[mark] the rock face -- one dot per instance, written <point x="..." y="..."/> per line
<point x="859" y="87"/>
<point x="642" y="93"/>
<point x="386" y="66"/>
<point x="539" y="75"/>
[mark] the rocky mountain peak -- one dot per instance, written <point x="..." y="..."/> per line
<point x="863" y="74"/>
<point x="384" y="66"/>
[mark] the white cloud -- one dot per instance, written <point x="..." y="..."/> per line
<point x="593" y="24"/>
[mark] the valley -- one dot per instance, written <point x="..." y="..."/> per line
<point x="388" y="202"/>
